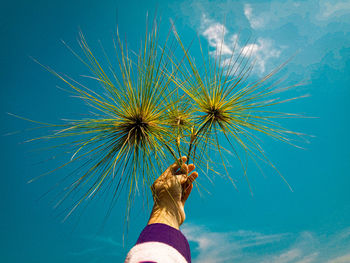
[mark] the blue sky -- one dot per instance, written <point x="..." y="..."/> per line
<point x="310" y="224"/>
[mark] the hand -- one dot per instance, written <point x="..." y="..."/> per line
<point x="170" y="192"/>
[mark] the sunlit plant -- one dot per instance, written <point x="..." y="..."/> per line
<point x="156" y="105"/>
<point x="227" y="106"/>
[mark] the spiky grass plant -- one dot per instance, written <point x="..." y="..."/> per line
<point x="228" y="107"/>
<point x="130" y="138"/>
<point x="152" y="108"/>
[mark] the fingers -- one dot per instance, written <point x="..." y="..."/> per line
<point x="188" y="186"/>
<point x="183" y="178"/>
<point x="186" y="169"/>
<point x="182" y="170"/>
<point x="186" y="192"/>
<point x="193" y="176"/>
<point x="178" y="163"/>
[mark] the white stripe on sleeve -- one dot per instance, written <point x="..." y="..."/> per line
<point x="154" y="251"/>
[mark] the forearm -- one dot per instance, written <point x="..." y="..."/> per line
<point x="170" y="214"/>
<point x="161" y="240"/>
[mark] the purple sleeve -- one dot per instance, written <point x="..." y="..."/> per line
<point x="168" y="235"/>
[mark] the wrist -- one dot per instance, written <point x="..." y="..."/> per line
<point x="170" y="214"/>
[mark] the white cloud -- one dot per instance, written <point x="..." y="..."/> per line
<point x="248" y="246"/>
<point x="255" y="22"/>
<point x="250" y="49"/>
<point x="341" y="259"/>
<point x="215" y="34"/>
<point x="309" y="259"/>
<point x="312" y="30"/>
<point x="287" y="257"/>
<point x="294" y="255"/>
<point x="216" y="247"/>
<point x="328" y="9"/>
<point x="260" y="52"/>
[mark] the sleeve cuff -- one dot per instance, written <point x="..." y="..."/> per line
<point x="168" y="235"/>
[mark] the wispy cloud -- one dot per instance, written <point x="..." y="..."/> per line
<point x="308" y="259"/>
<point x="315" y="30"/>
<point x="225" y="247"/>
<point x="288" y="256"/>
<point x="248" y="246"/>
<point x="226" y="44"/>
<point x="255" y="22"/>
<point x="328" y="9"/>
<point x="341" y="259"/>
<point x="215" y="34"/>
<point x="262" y="51"/>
